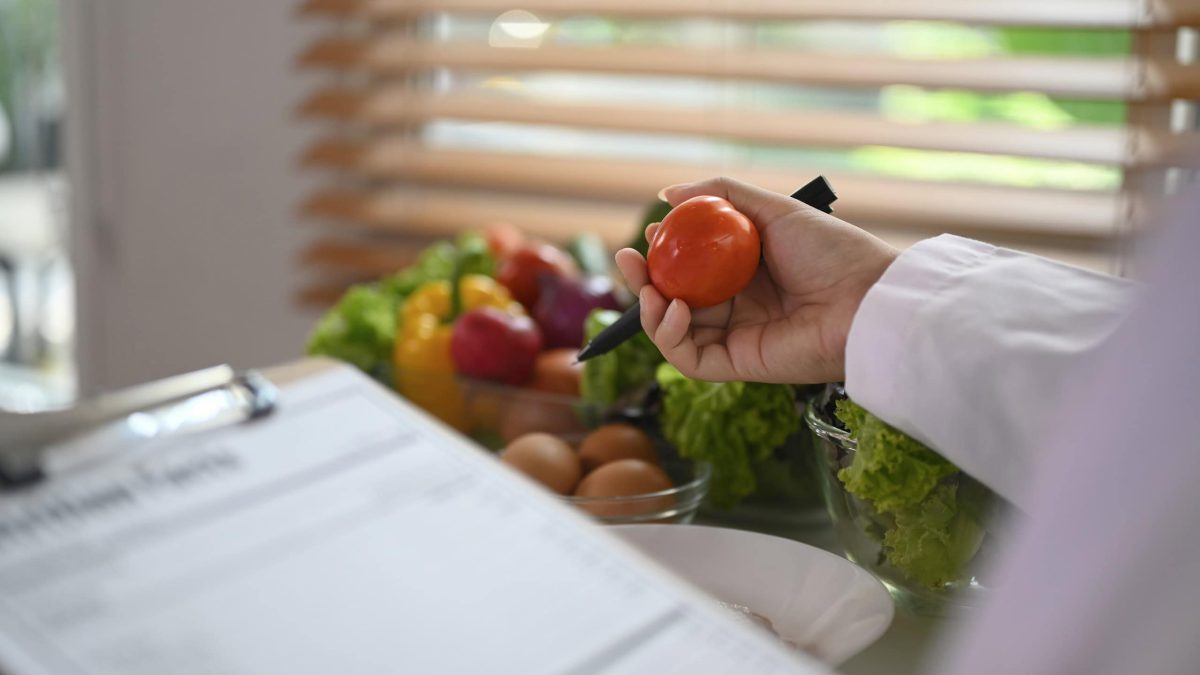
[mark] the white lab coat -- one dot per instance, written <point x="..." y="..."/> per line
<point x="1033" y="377"/>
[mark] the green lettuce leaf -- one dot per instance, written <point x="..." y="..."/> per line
<point x="890" y="468"/>
<point x="933" y="540"/>
<point x="360" y="330"/>
<point x="437" y="263"/>
<point x="732" y="425"/>
<point x="936" y="515"/>
<point x="625" y="369"/>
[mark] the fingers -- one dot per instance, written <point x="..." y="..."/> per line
<point x="707" y="336"/>
<point x="633" y="268"/>
<point x="654" y="307"/>
<point x="760" y="205"/>
<point x="716" y="316"/>
<point x="669" y="325"/>
<point x="674" y="329"/>
<point x="651" y="231"/>
<point x="693" y="343"/>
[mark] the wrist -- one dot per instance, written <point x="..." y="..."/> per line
<point x="870" y="270"/>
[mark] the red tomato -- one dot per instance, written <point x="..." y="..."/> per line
<point x="705" y="252"/>
<point x="520" y="273"/>
<point x="503" y="239"/>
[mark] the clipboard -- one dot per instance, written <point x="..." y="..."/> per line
<point x="342" y="529"/>
<point x="147" y="410"/>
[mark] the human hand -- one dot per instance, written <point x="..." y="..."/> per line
<point x="790" y="323"/>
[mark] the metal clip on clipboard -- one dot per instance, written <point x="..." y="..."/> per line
<point x="195" y="401"/>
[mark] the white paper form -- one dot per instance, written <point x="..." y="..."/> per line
<point x="345" y="534"/>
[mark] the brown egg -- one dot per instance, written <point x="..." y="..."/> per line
<point x="626" y="478"/>
<point x="546" y="459"/>
<point x="616" y="441"/>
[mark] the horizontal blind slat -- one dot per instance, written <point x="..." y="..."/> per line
<point x="1100" y="144"/>
<point x="1058" y="13"/>
<point x="436" y="212"/>
<point x="866" y="199"/>
<point x="372" y="258"/>
<point x="1102" y="78"/>
<point x="320" y="295"/>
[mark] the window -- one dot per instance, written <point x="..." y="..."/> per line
<point x="1040" y="125"/>
<point x="36" y="298"/>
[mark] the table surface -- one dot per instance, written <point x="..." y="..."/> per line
<point x="901" y="650"/>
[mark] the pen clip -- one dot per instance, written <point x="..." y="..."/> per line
<point x="817" y="193"/>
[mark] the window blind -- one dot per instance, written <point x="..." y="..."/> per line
<point x="1048" y="125"/>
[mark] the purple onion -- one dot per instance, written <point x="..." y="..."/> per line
<point x="564" y="305"/>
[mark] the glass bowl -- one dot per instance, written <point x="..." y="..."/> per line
<point x="493" y="414"/>
<point x="499" y="413"/>
<point x="861" y="529"/>
<point x="676" y="505"/>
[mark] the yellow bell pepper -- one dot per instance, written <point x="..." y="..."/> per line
<point x="424" y="365"/>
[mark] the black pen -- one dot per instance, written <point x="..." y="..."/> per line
<point x="818" y="193"/>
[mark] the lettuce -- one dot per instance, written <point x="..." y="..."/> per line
<point x="935" y="522"/>
<point x="437" y="262"/>
<point x="361" y="328"/>
<point x="933" y="540"/>
<point x="890" y="468"/>
<point x="731" y="425"/>
<point x="625" y="369"/>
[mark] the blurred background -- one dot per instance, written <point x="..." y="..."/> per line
<point x="37" y="321"/>
<point x="209" y="176"/>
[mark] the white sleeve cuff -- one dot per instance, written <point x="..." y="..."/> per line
<point x="877" y="348"/>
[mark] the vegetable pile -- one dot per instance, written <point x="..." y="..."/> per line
<point x="361" y="328"/>
<point x="492" y="306"/>
<point x="503" y="307"/>
<point x="932" y="516"/>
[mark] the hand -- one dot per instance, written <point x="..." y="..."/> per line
<point x="790" y="323"/>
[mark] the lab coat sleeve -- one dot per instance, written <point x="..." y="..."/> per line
<point x="969" y="347"/>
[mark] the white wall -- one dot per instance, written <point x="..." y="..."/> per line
<point x="181" y="146"/>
